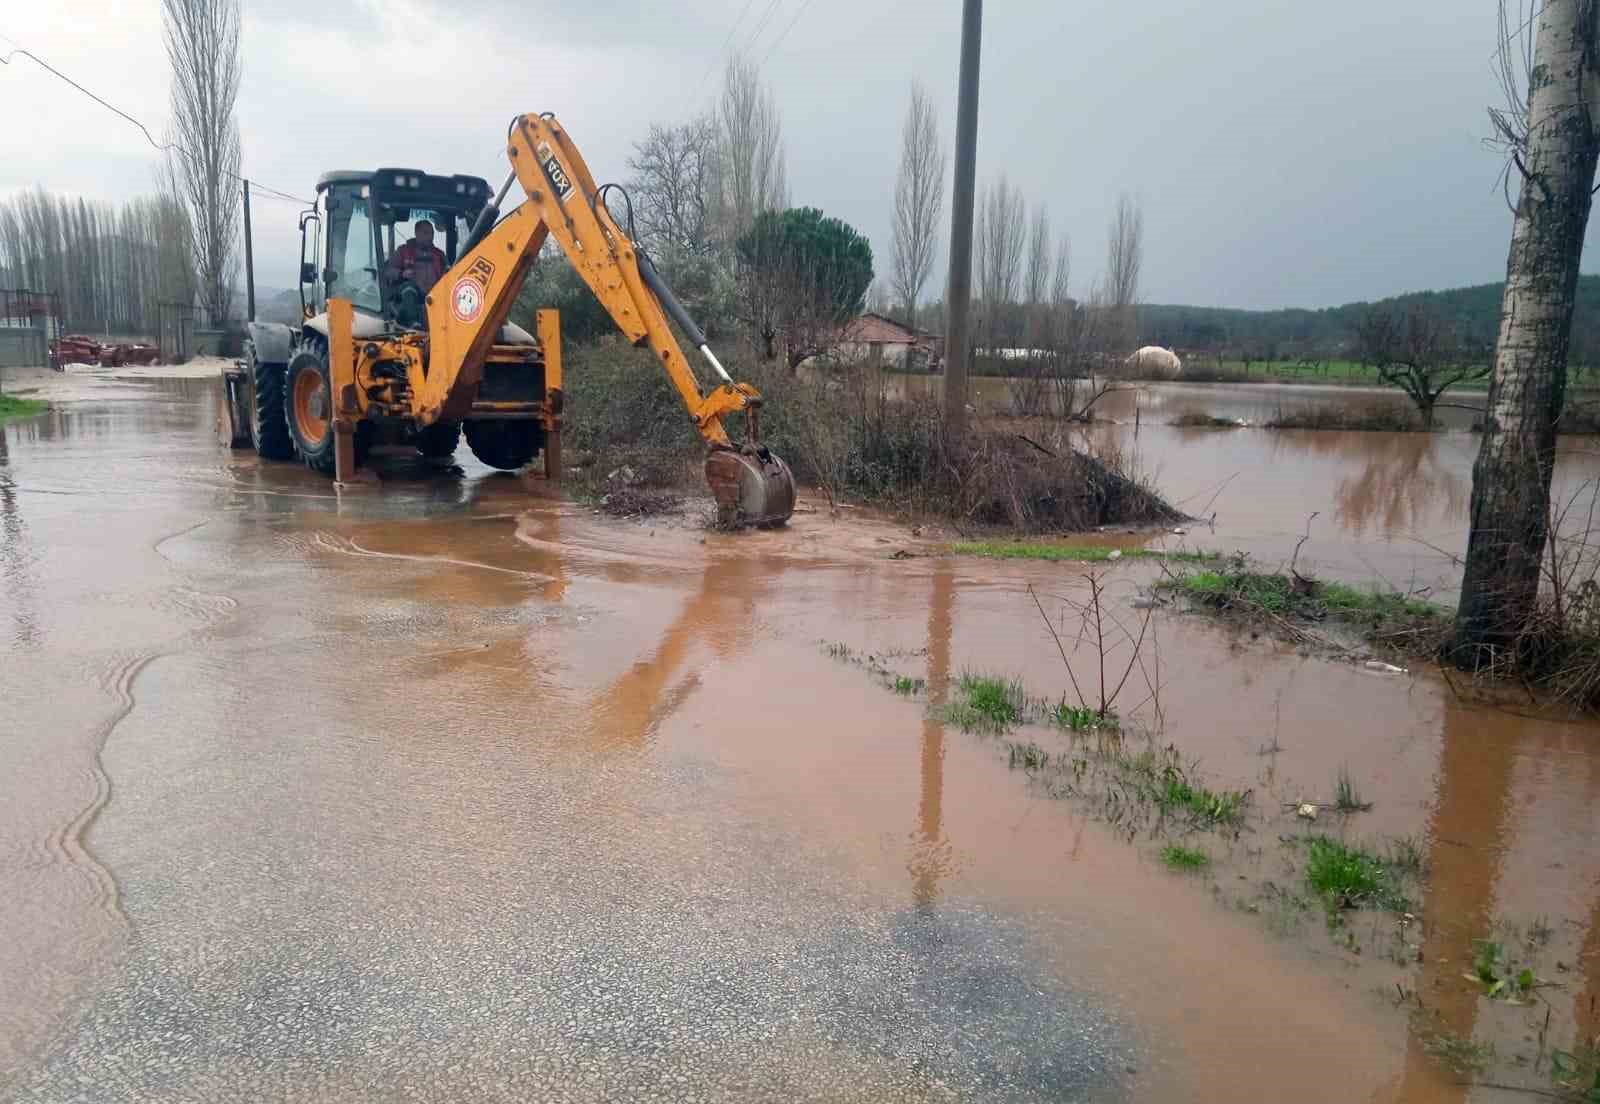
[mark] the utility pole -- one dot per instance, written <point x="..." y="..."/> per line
<point x="956" y="344"/>
<point x="249" y="262"/>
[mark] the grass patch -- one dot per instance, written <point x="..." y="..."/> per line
<point x="1576" y="1072"/>
<point x="1348" y="877"/>
<point x="908" y="686"/>
<point x="1080" y="718"/>
<point x="1178" y="857"/>
<point x="987" y="703"/>
<point x="1346" y="798"/>
<point x="13" y="407"/>
<point x="1076" y="553"/>
<point x="1393" y="621"/>
<point x="1028" y="757"/>
<point x="1501" y="977"/>
<point x="1406" y="856"/>
<point x="1175" y="793"/>
<point x="1457" y="1054"/>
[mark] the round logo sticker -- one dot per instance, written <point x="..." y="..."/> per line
<point x="467" y="299"/>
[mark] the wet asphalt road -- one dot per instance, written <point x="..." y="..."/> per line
<point x="365" y="800"/>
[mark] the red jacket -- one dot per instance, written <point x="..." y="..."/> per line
<point x="423" y="264"/>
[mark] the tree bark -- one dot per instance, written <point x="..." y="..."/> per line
<point x="1511" y="478"/>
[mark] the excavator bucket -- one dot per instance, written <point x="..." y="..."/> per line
<point x="752" y="486"/>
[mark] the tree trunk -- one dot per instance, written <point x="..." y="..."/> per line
<point x="1511" y="479"/>
<point x="1425" y="410"/>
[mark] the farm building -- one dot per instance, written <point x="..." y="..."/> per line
<point x="875" y="338"/>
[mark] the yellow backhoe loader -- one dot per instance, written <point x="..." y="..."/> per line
<point x="381" y="358"/>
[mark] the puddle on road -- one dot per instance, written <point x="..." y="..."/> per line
<point x="384" y="730"/>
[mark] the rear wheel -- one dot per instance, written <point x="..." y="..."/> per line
<point x="269" y="432"/>
<point x="439" y="441"/>
<point x="508" y="444"/>
<point x="309" y="414"/>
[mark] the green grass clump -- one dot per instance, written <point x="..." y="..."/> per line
<point x="1175" y="793"/>
<point x="1346" y="798"/>
<point x="1080" y="718"/>
<point x="1179" y="857"/>
<point x="1283" y="594"/>
<point x="1044" y="550"/>
<point x="1458" y="1054"/>
<point x="1027" y="757"/>
<point x="908" y="686"/>
<point x="987" y="703"/>
<point x="13" y="407"/>
<point x="1394" y="621"/>
<point x="1406" y="856"/>
<point x="1349" y="877"/>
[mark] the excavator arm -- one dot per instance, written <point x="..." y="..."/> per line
<point x="470" y="303"/>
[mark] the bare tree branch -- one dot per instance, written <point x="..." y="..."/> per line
<point x="202" y="41"/>
<point x="1124" y="259"/>
<point x="918" y="200"/>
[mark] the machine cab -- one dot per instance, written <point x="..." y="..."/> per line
<point x="349" y="241"/>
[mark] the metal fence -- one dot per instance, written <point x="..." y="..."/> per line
<point x="24" y="309"/>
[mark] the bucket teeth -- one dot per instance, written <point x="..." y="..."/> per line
<point x="752" y="486"/>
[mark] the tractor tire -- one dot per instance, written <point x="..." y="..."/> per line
<point x="505" y="444"/>
<point x="269" y="433"/>
<point x="308" y="409"/>
<point x="439" y="441"/>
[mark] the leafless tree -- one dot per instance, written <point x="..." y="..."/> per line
<point x="1417" y="353"/>
<point x="918" y="200"/>
<point x="1001" y="234"/>
<point x="751" y="174"/>
<point x="1060" y="295"/>
<point x="1036" y="276"/>
<point x="112" y="269"/>
<point x="202" y="40"/>
<point x="672" y="169"/>
<point x="1124" y="258"/>
<point x="1549" y="54"/>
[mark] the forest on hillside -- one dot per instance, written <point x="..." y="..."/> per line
<point x="1471" y="313"/>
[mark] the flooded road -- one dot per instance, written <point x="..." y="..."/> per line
<point x="449" y="789"/>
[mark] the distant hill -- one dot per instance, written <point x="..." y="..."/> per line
<point x="274" y="305"/>
<point x="1286" y="334"/>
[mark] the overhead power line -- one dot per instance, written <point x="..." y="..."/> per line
<point x="729" y="37"/>
<point x="801" y="10"/>
<point x="161" y="147"/>
<point x="766" y="16"/>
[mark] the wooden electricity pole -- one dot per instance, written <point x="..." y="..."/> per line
<point x="957" y="310"/>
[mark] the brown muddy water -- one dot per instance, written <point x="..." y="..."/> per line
<point x="450" y="789"/>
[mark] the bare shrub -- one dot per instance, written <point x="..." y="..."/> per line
<point x="845" y="434"/>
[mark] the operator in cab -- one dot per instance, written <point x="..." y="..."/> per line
<point x="417" y="260"/>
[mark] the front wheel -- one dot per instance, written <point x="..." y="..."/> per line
<point x="268" y="433"/>
<point x="309" y="411"/>
<point x="505" y="444"/>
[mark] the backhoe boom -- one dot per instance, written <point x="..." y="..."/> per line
<point x="471" y="302"/>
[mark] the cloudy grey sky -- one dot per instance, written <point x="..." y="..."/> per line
<point x="1285" y="153"/>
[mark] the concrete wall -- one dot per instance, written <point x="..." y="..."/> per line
<point x="22" y="347"/>
<point x="868" y="352"/>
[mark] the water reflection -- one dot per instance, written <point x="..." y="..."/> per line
<point x="1398" y="483"/>
<point x="723" y="614"/>
<point x="930" y="857"/>
<point x="1468" y="832"/>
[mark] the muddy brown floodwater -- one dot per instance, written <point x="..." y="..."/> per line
<point x="450" y="789"/>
